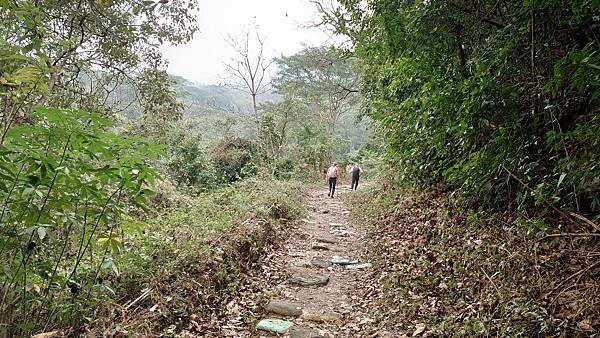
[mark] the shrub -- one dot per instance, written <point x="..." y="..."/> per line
<point x="65" y="183"/>
<point x="232" y="159"/>
<point x="188" y="163"/>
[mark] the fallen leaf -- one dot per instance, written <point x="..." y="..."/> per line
<point x="419" y="328"/>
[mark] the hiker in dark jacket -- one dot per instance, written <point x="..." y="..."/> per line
<point x="355" y="176"/>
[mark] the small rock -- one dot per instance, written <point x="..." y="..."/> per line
<point x="359" y="266"/>
<point x="320" y="263"/>
<point x="308" y="280"/>
<point x="326" y="240"/>
<point x="284" y="308"/>
<point x="322" y="317"/>
<point x="320" y="247"/>
<point x="337" y="225"/>
<point x="342" y="261"/>
<point x="274" y="325"/>
<point x="308" y="221"/>
<point x="298" y="254"/>
<point x="341" y="233"/>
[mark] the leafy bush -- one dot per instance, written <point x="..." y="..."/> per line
<point x="188" y="163"/>
<point x="284" y="168"/>
<point x="232" y="159"/>
<point x="210" y="239"/>
<point x="65" y="183"/>
<point x="498" y="104"/>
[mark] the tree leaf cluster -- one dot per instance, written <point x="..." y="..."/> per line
<point x="495" y="99"/>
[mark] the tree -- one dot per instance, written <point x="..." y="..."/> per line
<point x="159" y="102"/>
<point x="323" y="78"/>
<point x="248" y="69"/>
<point x="70" y="41"/>
<point x="68" y="177"/>
<point x="496" y="99"/>
<point x="278" y="119"/>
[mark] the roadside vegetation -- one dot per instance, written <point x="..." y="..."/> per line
<point x="486" y="218"/>
<point x="131" y="200"/>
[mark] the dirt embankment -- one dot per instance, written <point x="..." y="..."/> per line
<point x="447" y="271"/>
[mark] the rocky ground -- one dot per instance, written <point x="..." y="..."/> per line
<point x="318" y="284"/>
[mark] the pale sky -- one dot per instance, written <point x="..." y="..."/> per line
<point x="281" y="21"/>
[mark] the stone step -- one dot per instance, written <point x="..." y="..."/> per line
<point x="319" y="263"/>
<point x="331" y="317"/>
<point x="303" y="280"/>
<point x="278" y="326"/>
<point x="284" y="308"/>
<point x="359" y="266"/>
<point x="342" y="261"/>
<point x="304" y="332"/>
<point x="326" y="240"/>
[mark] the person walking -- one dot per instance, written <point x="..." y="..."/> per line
<point x="355" y="176"/>
<point x="332" y="174"/>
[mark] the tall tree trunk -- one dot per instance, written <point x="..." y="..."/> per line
<point x="256" y="120"/>
<point x="455" y="29"/>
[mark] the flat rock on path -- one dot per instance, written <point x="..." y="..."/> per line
<point x="320" y="247"/>
<point x="284" y="308"/>
<point x="322" y="317"/>
<point x="319" y="263"/>
<point x="326" y="240"/>
<point x="304" y="332"/>
<point x="303" y="280"/>
<point x="342" y="261"/>
<point x="274" y="325"/>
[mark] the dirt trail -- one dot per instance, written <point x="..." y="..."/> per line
<point x="319" y="276"/>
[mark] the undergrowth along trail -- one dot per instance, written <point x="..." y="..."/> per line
<point x="446" y="270"/>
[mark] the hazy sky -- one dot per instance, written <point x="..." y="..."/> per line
<point x="281" y="21"/>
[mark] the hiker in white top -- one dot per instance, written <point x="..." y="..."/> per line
<point x="332" y="174"/>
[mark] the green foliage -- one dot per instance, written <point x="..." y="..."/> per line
<point x="314" y="146"/>
<point x="232" y="159"/>
<point x="66" y="180"/>
<point x="188" y="163"/>
<point x="277" y="121"/>
<point x="285" y="168"/>
<point x="73" y="39"/>
<point x="322" y="79"/>
<point x="497" y="100"/>
<point x="161" y="107"/>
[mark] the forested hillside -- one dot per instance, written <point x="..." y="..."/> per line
<point x="459" y="142"/>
